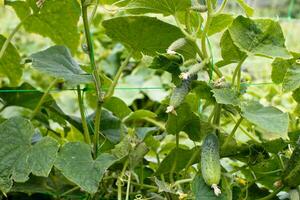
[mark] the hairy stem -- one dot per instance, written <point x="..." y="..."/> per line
<point x="43" y="99"/>
<point x="90" y="46"/>
<point x="97" y="128"/>
<point x="83" y="117"/>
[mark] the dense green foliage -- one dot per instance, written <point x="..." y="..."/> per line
<point x="126" y="100"/>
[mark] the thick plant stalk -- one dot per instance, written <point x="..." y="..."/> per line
<point x="91" y="50"/>
<point x="95" y="74"/>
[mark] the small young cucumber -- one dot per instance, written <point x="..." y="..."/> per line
<point x="291" y="173"/>
<point x="210" y="162"/>
<point x="179" y="94"/>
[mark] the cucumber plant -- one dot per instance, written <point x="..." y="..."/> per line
<point x="128" y="99"/>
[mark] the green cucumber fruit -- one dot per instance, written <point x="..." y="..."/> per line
<point x="210" y="162"/>
<point x="179" y="93"/>
<point x="291" y="173"/>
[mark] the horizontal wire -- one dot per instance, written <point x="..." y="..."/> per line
<point x="118" y="88"/>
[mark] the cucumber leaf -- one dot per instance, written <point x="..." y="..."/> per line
<point x="19" y="156"/>
<point x="166" y="7"/>
<point x="76" y="163"/>
<point x="262" y="37"/>
<point x="268" y="118"/>
<point x="57" y="61"/>
<point x="142" y="34"/>
<point x="10" y="64"/>
<point x="50" y="21"/>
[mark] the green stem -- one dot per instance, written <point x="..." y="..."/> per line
<point x="112" y="87"/>
<point x="93" y="12"/>
<point x="42" y="100"/>
<point x="128" y="186"/>
<point x="156" y="123"/>
<point x="183" y="181"/>
<point x="90" y="46"/>
<point x="206" y="28"/>
<point x="192" y="159"/>
<point x="97" y="128"/>
<point x="120" y="179"/>
<point x="176" y="158"/>
<point x="70" y="191"/>
<point x="217" y="114"/>
<point x="145" y="186"/>
<point x="10" y="37"/>
<point x="187" y="35"/>
<point x="83" y="117"/>
<point x="228" y="139"/>
<point x="222" y="7"/>
<point x="246" y="132"/>
<point x="237" y="72"/>
<point x="273" y="194"/>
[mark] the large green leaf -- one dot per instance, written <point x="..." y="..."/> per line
<point x="50" y="21"/>
<point x="166" y="7"/>
<point x="76" y="164"/>
<point x="117" y="107"/>
<point x="268" y="118"/>
<point x="226" y="96"/>
<point x="262" y="37"/>
<point x="219" y="23"/>
<point x="111" y="126"/>
<point x="10" y="64"/>
<point x="57" y="61"/>
<point x="202" y="191"/>
<point x="143" y="34"/>
<point x="140" y="114"/>
<point x="19" y="157"/>
<point x="291" y="80"/>
<point x="279" y="69"/>
<point x="230" y="52"/>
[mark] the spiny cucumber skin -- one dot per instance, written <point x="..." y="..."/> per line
<point x="181" y="42"/>
<point x="180" y="92"/>
<point x="291" y="173"/>
<point x="210" y="160"/>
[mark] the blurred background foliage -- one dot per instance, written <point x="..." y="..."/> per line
<point x="145" y="87"/>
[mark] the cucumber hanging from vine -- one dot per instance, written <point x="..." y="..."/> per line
<point x="291" y="173"/>
<point x="210" y="162"/>
<point x="194" y="69"/>
<point x="179" y="93"/>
